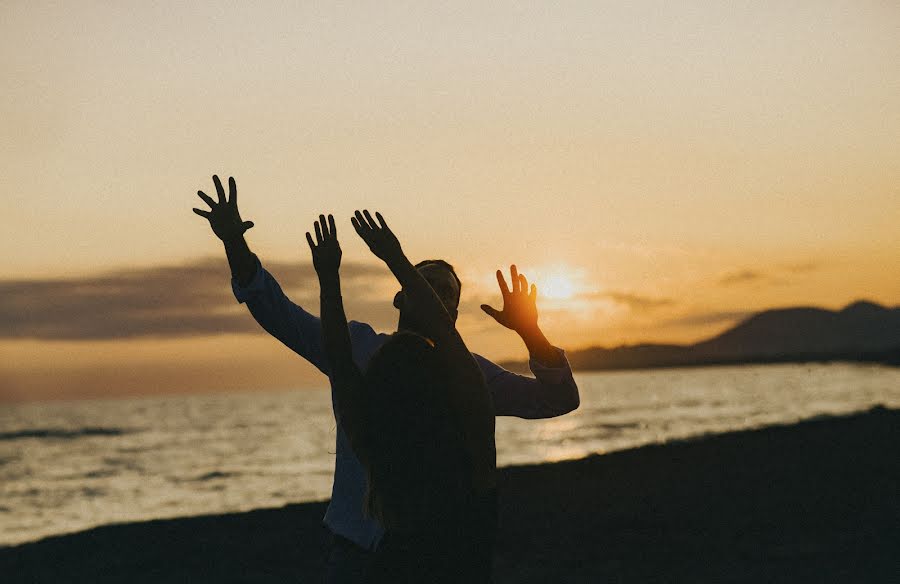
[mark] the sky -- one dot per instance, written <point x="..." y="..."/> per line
<point x="659" y="170"/>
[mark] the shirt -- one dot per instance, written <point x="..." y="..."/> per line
<point x="552" y="392"/>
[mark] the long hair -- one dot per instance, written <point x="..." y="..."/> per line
<point x="419" y="469"/>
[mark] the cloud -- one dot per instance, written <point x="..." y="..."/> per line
<point x="168" y="301"/>
<point x="195" y="298"/>
<point x="709" y="318"/>
<point x="633" y="301"/>
<point x="746" y="276"/>
<point x="741" y="277"/>
<point x="636" y="301"/>
<point x="803" y="267"/>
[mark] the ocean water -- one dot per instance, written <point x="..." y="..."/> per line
<point x="67" y="466"/>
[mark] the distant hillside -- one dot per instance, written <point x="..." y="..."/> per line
<point x="863" y="331"/>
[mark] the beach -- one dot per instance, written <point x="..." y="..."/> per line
<point x="811" y="502"/>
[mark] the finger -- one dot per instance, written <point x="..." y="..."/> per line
<point x="232" y="191"/>
<point x="324" y="226"/>
<point x="247" y="225"/>
<point x="504" y="289"/>
<point x="219" y="189"/>
<point x="360" y="230"/>
<point x="371" y="221"/>
<point x="361" y="221"/>
<point x="364" y="224"/>
<point x="356" y="226"/>
<point x="312" y="246"/>
<point x="207" y="199"/>
<point x="331" y="226"/>
<point x="205" y="214"/>
<point x="492" y="312"/>
<point x="514" y="278"/>
<point x="533" y="294"/>
<point x="523" y="284"/>
<point x="381" y="221"/>
<point x="318" y="233"/>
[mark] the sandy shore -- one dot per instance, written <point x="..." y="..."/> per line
<point x="816" y="502"/>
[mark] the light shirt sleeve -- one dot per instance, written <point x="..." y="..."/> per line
<point x="551" y="392"/>
<point x="299" y="330"/>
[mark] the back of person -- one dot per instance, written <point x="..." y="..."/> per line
<point x="456" y="548"/>
<point x="421" y="421"/>
<point x="439" y="528"/>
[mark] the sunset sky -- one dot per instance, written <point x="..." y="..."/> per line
<point x="659" y="171"/>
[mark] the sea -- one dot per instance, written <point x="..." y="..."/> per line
<point x="69" y="466"/>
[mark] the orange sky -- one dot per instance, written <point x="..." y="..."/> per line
<point x="680" y="166"/>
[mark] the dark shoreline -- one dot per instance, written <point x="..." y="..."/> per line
<point x="817" y="501"/>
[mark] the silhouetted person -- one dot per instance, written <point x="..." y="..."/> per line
<point x="420" y="420"/>
<point x="551" y="393"/>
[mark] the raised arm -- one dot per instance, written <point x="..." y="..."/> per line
<point x="225" y="221"/>
<point x="519" y="313"/>
<point x="346" y="379"/>
<point x="553" y="391"/>
<point x="252" y="284"/>
<point x="469" y="397"/>
<point x="433" y="316"/>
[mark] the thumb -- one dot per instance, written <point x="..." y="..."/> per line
<point x="492" y="312"/>
<point x="247" y="225"/>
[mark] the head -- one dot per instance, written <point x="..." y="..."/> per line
<point x="416" y="448"/>
<point x="443" y="279"/>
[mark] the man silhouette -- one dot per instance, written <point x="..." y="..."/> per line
<point x="552" y="392"/>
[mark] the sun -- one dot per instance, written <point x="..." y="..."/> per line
<point x="556" y="285"/>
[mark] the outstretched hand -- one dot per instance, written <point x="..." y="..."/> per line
<point x="519" y="311"/>
<point x="326" y="251"/>
<point x="378" y="236"/>
<point x="224" y="217"/>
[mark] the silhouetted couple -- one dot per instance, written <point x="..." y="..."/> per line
<point x="414" y="495"/>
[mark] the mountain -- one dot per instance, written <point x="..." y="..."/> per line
<point x="862" y="331"/>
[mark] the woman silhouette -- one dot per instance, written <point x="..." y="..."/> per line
<point x="421" y="421"/>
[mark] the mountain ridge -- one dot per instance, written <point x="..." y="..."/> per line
<point x="862" y="331"/>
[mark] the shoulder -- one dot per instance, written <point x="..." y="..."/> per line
<point x="361" y="330"/>
<point x="362" y="334"/>
<point x="355" y="325"/>
<point x="488" y="367"/>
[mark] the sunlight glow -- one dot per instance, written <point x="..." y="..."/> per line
<point x="557" y="282"/>
<point x="557" y="287"/>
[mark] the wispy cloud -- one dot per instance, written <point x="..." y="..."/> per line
<point x="803" y="267"/>
<point x="709" y="318"/>
<point x="168" y="301"/>
<point x="637" y="301"/>
<point x="741" y="277"/>
<point x="633" y="301"/>
<point x="780" y="274"/>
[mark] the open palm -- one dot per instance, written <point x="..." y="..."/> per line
<point x="326" y="251"/>
<point x="378" y="236"/>
<point x="519" y="311"/>
<point x="223" y="216"/>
